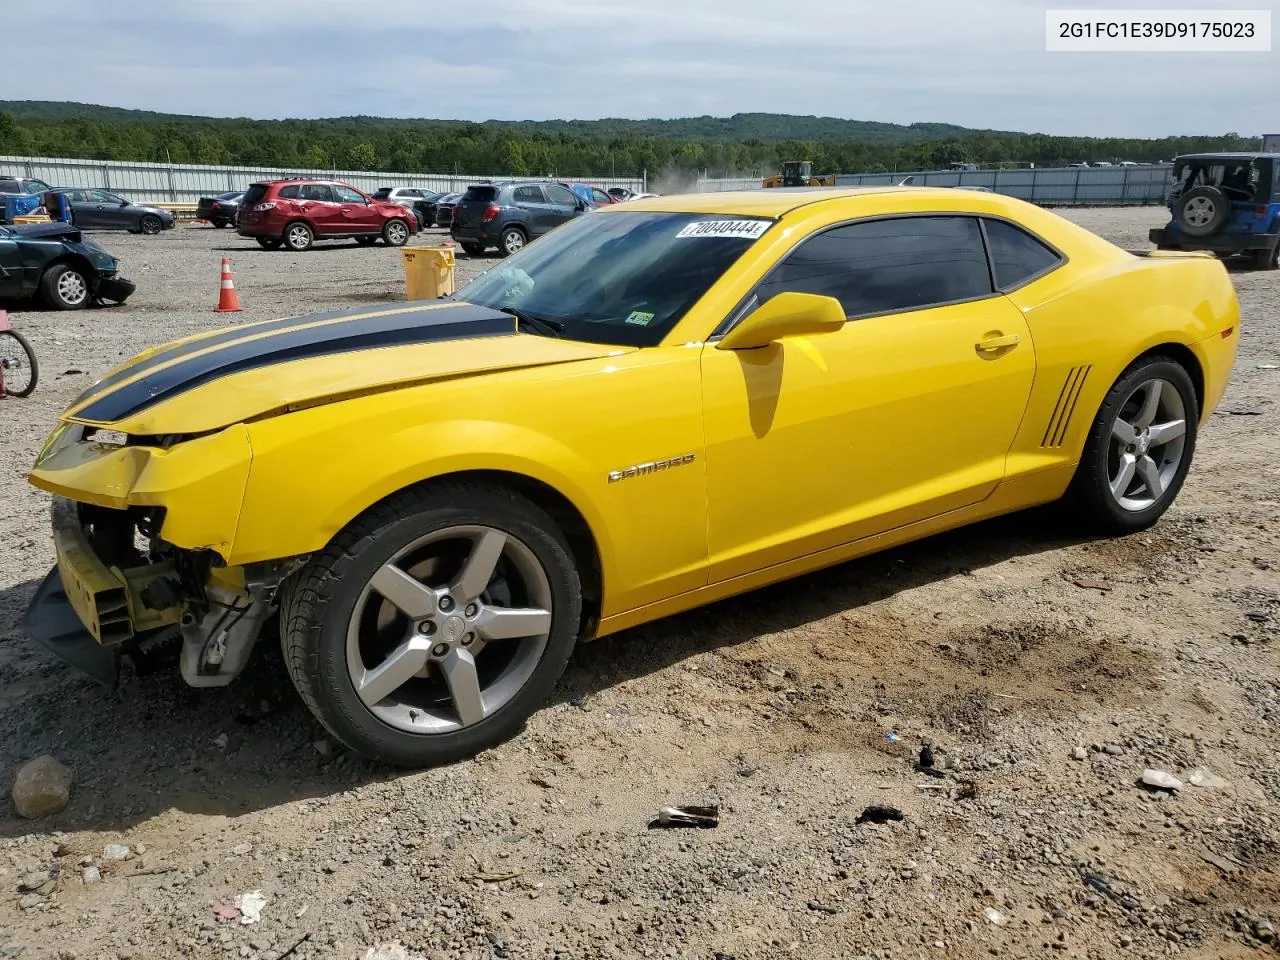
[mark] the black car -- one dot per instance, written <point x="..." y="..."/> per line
<point x="57" y="262"/>
<point x="508" y="214"/>
<point x="220" y="210"/>
<point x="100" y="210"/>
<point x="444" y="208"/>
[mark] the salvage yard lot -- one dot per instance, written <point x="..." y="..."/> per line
<point x="1007" y="646"/>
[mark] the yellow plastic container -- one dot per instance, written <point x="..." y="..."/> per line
<point x="428" y="272"/>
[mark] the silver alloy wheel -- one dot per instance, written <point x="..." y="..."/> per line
<point x="512" y="241"/>
<point x="1199" y="211"/>
<point x="298" y="236"/>
<point x="455" y="646"/>
<point x="397" y="232"/>
<point x="72" y="289"/>
<point x="1148" y="438"/>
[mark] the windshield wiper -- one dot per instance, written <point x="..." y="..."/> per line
<point x="550" y="328"/>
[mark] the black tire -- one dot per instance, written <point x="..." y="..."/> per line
<point x="473" y="249"/>
<point x="298" y="236"/>
<point x="32" y="364"/>
<point x="1202" y="211"/>
<point x="1090" y="497"/>
<point x="220" y="224"/>
<point x="395" y="233"/>
<point x="150" y="224"/>
<point x="512" y="240"/>
<point x="270" y="243"/>
<point x="1267" y="259"/>
<point x="319" y="600"/>
<point x="366" y="241"/>
<point x="65" y="287"/>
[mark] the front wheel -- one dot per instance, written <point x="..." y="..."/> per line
<point x="150" y="225"/>
<point x="1139" y="447"/>
<point x="434" y="624"/>
<point x="395" y="233"/>
<point x="18" y="364"/>
<point x="64" y="287"/>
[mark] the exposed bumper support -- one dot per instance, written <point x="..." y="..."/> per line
<point x="52" y="622"/>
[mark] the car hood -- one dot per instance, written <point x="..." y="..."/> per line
<point x="48" y="231"/>
<point x="209" y="381"/>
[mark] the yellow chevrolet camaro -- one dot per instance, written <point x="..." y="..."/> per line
<point x="651" y="408"/>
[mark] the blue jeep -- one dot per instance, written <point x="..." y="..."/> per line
<point x="1228" y="203"/>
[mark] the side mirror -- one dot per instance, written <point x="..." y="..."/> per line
<point x="788" y="314"/>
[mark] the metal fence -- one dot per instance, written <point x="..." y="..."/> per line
<point x="188" y="182"/>
<point x="1048" y="187"/>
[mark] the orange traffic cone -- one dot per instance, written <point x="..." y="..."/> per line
<point x="228" y="302"/>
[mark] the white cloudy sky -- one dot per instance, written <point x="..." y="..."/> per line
<point x="980" y="63"/>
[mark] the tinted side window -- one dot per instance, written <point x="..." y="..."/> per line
<point x="528" y="195"/>
<point x="561" y="196"/>
<point x="1016" y="255"/>
<point x="289" y="193"/>
<point x="316" y="191"/>
<point x="882" y="266"/>
<point x="346" y="194"/>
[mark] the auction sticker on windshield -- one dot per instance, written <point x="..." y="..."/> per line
<point x="747" y="229"/>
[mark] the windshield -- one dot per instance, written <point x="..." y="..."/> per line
<point x="624" y="278"/>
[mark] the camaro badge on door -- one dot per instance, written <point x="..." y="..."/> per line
<point x="641" y="469"/>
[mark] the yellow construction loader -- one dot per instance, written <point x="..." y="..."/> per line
<point x="799" y="173"/>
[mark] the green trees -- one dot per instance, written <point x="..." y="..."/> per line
<point x="742" y="145"/>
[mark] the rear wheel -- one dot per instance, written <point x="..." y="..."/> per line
<point x="1139" y="448"/>
<point x="1267" y="259"/>
<point x="18" y="363"/>
<point x="435" y="624"/>
<point x="298" y="236"/>
<point x="269" y="243"/>
<point x="64" y="287"/>
<point x="511" y="241"/>
<point x="395" y="233"/>
<point x="150" y="225"/>
<point x="366" y="241"/>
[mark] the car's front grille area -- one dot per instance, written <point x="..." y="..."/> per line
<point x="1056" y="429"/>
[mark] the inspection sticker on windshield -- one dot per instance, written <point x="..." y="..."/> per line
<point x="747" y="229"/>
<point x="639" y="317"/>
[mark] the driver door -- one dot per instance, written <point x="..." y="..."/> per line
<point x="905" y="413"/>
<point x="110" y="210"/>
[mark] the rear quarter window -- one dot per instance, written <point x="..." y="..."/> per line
<point x="1016" y="255"/>
<point x="289" y="193"/>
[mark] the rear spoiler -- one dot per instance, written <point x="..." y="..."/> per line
<point x="1172" y="254"/>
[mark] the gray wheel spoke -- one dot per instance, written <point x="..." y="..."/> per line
<point x="1123" y="432"/>
<point x="512" y="623"/>
<point x="394" y="672"/>
<point x="1162" y="433"/>
<point x="1128" y="463"/>
<point x="1150" y="404"/>
<point x="416" y="600"/>
<point x="459" y="669"/>
<point x="1150" y="474"/>
<point x="480" y="565"/>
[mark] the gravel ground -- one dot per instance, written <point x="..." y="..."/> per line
<point x="793" y="709"/>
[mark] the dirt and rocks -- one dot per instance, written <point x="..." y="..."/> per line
<point x="1046" y="672"/>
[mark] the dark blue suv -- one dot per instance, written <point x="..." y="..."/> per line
<point x="507" y="214"/>
<point x="1228" y="203"/>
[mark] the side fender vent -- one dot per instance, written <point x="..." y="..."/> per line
<point x="1056" y="430"/>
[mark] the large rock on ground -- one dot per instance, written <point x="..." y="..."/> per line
<point x="42" y="788"/>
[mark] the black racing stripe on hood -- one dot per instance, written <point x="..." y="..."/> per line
<point x="464" y="321"/>
<point x="226" y="336"/>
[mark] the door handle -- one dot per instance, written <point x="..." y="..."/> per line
<point x="992" y="344"/>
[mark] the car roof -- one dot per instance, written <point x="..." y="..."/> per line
<point x="767" y="203"/>
<point x="1225" y="156"/>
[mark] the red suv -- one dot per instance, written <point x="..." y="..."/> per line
<point x="295" y="213"/>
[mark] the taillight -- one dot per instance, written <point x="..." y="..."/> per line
<point x="490" y="212"/>
<point x="264" y="207"/>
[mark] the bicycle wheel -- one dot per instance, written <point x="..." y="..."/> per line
<point x="18" y="361"/>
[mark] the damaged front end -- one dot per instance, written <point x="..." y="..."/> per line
<point x="119" y="590"/>
<point x="141" y="531"/>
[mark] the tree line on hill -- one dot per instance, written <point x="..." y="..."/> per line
<point x="743" y="145"/>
